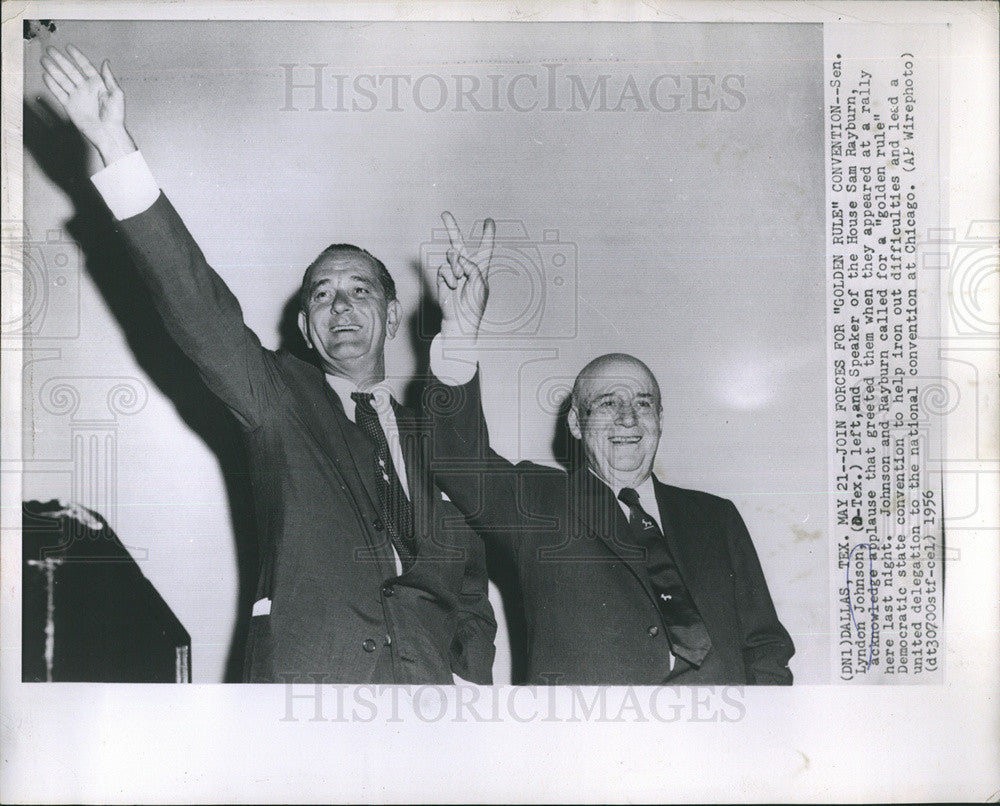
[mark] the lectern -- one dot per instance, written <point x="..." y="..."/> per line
<point x="88" y="612"/>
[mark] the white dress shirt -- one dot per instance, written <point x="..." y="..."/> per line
<point x="382" y="403"/>
<point x="647" y="499"/>
<point x="127" y="186"/>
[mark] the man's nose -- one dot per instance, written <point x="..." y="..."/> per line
<point x="626" y="414"/>
<point x="341" y="302"/>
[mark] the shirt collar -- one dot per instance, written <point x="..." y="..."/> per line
<point x="647" y="494"/>
<point x="646" y="490"/>
<point x="345" y="387"/>
<point x="647" y="497"/>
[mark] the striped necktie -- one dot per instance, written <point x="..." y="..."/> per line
<point x="685" y="629"/>
<point x="396" y="507"/>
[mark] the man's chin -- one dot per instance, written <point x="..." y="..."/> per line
<point x="626" y="471"/>
<point x="627" y="457"/>
<point x="347" y="350"/>
<point x="628" y="465"/>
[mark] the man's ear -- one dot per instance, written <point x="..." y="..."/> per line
<point x="392" y="316"/>
<point x="304" y="329"/>
<point x="573" y="421"/>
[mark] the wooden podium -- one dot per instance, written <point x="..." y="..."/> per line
<point x="88" y="613"/>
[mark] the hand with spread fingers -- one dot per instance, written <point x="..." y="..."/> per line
<point x="463" y="281"/>
<point x="93" y="100"/>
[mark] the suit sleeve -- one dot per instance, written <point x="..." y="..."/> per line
<point x="484" y="486"/>
<point x="199" y="311"/>
<point x="767" y="646"/>
<point x="473" y="646"/>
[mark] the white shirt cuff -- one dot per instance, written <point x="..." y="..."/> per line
<point x="454" y="359"/>
<point x="127" y="186"/>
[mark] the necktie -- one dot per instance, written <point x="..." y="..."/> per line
<point x="685" y="629"/>
<point x="396" y="507"/>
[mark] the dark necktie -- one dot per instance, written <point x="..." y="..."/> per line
<point x="685" y="629"/>
<point x="396" y="507"/>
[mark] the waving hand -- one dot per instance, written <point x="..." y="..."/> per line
<point x="463" y="281"/>
<point x="93" y="100"/>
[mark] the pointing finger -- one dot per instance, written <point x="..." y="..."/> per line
<point x="454" y="233"/>
<point x="487" y="242"/>
<point x="470" y="269"/>
<point x="453" y="262"/>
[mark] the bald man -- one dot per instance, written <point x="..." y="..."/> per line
<point x="625" y="580"/>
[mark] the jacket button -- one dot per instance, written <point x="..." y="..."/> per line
<point x="379" y="526"/>
<point x="653" y="631"/>
<point x="388" y="590"/>
<point x="368" y="645"/>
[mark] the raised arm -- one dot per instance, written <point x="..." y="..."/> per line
<point x="199" y="311"/>
<point x="486" y="488"/>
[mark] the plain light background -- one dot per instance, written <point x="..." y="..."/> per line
<point x="694" y="240"/>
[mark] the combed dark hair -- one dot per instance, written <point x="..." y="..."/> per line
<point x="384" y="278"/>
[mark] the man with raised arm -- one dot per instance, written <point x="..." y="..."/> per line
<point x="625" y="580"/>
<point x="361" y="579"/>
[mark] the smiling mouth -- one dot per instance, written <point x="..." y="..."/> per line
<point x="626" y="440"/>
<point x="346" y="328"/>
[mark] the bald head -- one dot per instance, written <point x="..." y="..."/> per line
<point x="608" y="367"/>
<point x="616" y="414"/>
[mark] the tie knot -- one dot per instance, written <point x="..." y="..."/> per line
<point x="629" y="497"/>
<point x="362" y="397"/>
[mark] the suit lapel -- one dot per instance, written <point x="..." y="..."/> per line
<point x="412" y="444"/>
<point x="598" y="510"/>
<point x="322" y="412"/>
<point x="675" y="518"/>
<point x="414" y="439"/>
<point x="360" y="450"/>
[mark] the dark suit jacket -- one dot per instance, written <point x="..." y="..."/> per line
<point x="591" y="614"/>
<point x="338" y="608"/>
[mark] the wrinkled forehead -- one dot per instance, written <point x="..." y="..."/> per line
<point x="344" y="265"/>
<point x="623" y="379"/>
